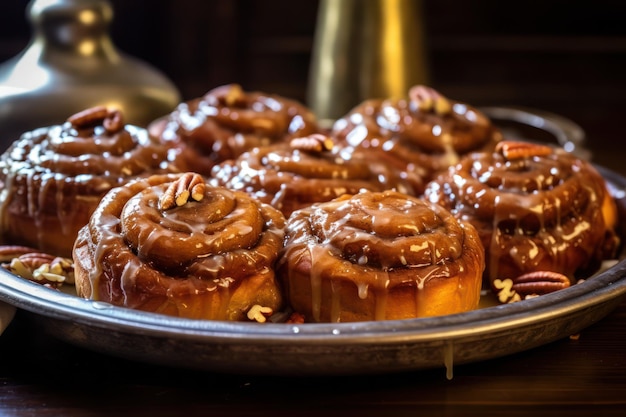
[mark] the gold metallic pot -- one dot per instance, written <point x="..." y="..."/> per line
<point x="364" y="49"/>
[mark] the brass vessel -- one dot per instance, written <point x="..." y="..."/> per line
<point x="365" y="49"/>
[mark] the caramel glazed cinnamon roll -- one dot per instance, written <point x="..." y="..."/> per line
<point x="537" y="208"/>
<point x="228" y="121"/>
<point x="379" y="256"/>
<point x="307" y="170"/>
<point x="52" y="178"/>
<point x="423" y="134"/>
<point x="172" y="244"/>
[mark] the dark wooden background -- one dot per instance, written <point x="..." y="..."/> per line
<point x="558" y="55"/>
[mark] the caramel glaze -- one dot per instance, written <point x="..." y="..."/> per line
<point x="228" y="121"/>
<point x="422" y="135"/>
<point x="290" y="176"/>
<point x="379" y="256"/>
<point x="52" y="178"/>
<point x="536" y="209"/>
<point x="209" y="259"/>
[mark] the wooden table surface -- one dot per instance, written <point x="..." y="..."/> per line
<point x="42" y="376"/>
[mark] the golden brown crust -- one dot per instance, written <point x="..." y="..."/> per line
<point x="536" y="208"/>
<point x="210" y="257"/>
<point x="51" y="179"/>
<point x="379" y="256"/>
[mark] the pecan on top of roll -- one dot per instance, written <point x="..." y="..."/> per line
<point x="174" y="245"/>
<point x="306" y="170"/>
<point x="379" y="256"/>
<point x="228" y="121"/>
<point x="52" y="178"/>
<point x="424" y="133"/>
<point x="536" y="207"/>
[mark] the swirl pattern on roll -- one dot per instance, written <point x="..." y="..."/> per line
<point x="227" y="121"/>
<point x="422" y="134"/>
<point x="306" y="170"/>
<point x="209" y="255"/>
<point x="536" y="208"/>
<point x="377" y="256"/>
<point x="52" y="178"/>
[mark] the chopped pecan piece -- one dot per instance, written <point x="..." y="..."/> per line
<point x="259" y="313"/>
<point x="429" y="99"/>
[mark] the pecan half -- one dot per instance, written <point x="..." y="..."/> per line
<point x="531" y="284"/>
<point x="429" y="99"/>
<point x="512" y="150"/>
<point x="540" y="282"/>
<point x="111" y="120"/>
<point x="315" y="143"/>
<point x="178" y="193"/>
<point x="8" y="252"/>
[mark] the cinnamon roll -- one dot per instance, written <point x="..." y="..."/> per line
<point x="226" y="122"/>
<point x="536" y="208"/>
<point x="423" y="134"/>
<point x="52" y="178"/>
<point x="379" y="256"/>
<point x="306" y="170"/>
<point x="174" y="245"/>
